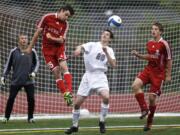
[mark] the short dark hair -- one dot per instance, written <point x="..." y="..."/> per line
<point x="69" y="8"/>
<point x="159" y="25"/>
<point x="111" y="33"/>
<point x="22" y="34"/>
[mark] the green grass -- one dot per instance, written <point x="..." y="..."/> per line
<point x="57" y="127"/>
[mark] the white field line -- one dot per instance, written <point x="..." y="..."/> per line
<point x="67" y="116"/>
<point x="90" y="128"/>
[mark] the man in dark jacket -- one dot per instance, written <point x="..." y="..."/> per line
<point x="24" y="67"/>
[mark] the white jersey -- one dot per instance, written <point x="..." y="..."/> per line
<point x="94" y="57"/>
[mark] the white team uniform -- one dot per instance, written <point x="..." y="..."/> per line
<point x="96" y="65"/>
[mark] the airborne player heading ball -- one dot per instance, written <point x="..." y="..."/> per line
<point x="54" y="27"/>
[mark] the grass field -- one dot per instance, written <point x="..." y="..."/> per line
<point x="115" y="126"/>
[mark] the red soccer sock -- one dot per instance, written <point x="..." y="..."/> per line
<point x="60" y="85"/>
<point x="152" y="110"/>
<point x="140" y="99"/>
<point x="68" y="80"/>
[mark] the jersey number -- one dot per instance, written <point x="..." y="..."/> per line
<point x="100" y="57"/>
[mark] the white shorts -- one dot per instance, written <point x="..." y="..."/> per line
<point x="92" y="81"/>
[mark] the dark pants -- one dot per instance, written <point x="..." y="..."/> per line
<point x="14" y="89"/>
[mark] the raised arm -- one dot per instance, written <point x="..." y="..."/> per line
<point x="34" y="39"/>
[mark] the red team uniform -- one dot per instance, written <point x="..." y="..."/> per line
<point x="154" y="72"/>
<point x="53" y="27"/>
<point x="53" y="51"/>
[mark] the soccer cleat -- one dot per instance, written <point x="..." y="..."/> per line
<point x="71" y="130"/>
<point x="144" y="113"/>
<point x="5" y="120"/>
<point x="31" y="120"/>
<point x="68" y="98"/>
<point x="102" y="128"/>
<point x="147" y="127"/>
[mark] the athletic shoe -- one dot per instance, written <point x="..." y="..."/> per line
<point x="31" y="120"/>
<point x="68" y="98"/>
<point x="144" y="113"/>
<point x="147" y="127"/>
<point x="71" y="130"/>
<point x="5" y="120"/>
<point x="102" y="128"/>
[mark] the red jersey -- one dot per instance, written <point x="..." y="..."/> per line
<point x="159" y="53"/>
<point x="51" y="24"/>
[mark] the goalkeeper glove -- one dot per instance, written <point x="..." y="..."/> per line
<point x="3" y="80"/>
<point x="32" y="75"/>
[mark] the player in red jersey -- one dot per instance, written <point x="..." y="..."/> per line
<point x="54" y="27"/>
<point x="156" y="72"/>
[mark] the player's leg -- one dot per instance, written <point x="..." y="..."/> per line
<point x="10" y="102"/>
<point x="82" y="94"/>
<point x="59" y="81"/>
<point x="31" y="101"/>
<point x="68" y="81"/>
<point x="76" y="114"/>
<point x="104" y="93"/>
<point x="52" y="60"/>
<point x="100" y="83"/>
<point x="152" y="108"/>
<point x="155" y="90"/>
<point x="139" y="95"/>
<point x="61" y="58"/>
<point x="67" y="74"/>
<point x="53" y="65"/>
<point x="61" y="86"/>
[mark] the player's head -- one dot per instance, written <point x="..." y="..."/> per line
<point x="157" y="29"/>
<point x="65" y="12"/>
<point x="23" y="40"/>
<point x="107" y="36"/>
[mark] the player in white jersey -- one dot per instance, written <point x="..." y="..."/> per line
<point x="97" y="56"/>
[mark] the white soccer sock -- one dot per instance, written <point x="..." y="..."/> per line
<point x="76" y="114"/>
<point x="104" y="111"/>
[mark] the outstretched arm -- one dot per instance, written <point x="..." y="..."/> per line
<point x="34" y="39"/>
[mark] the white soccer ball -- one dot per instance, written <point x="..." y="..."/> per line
<point x="84" y="112"/>
<point x="114" y="21"/>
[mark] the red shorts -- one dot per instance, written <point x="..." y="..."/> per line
<point x="155" y="79"/>
<point x="52" y="55"/>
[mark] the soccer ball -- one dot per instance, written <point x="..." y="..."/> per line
<point x="114" y="21"/>
<point x="84" y="113"/>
